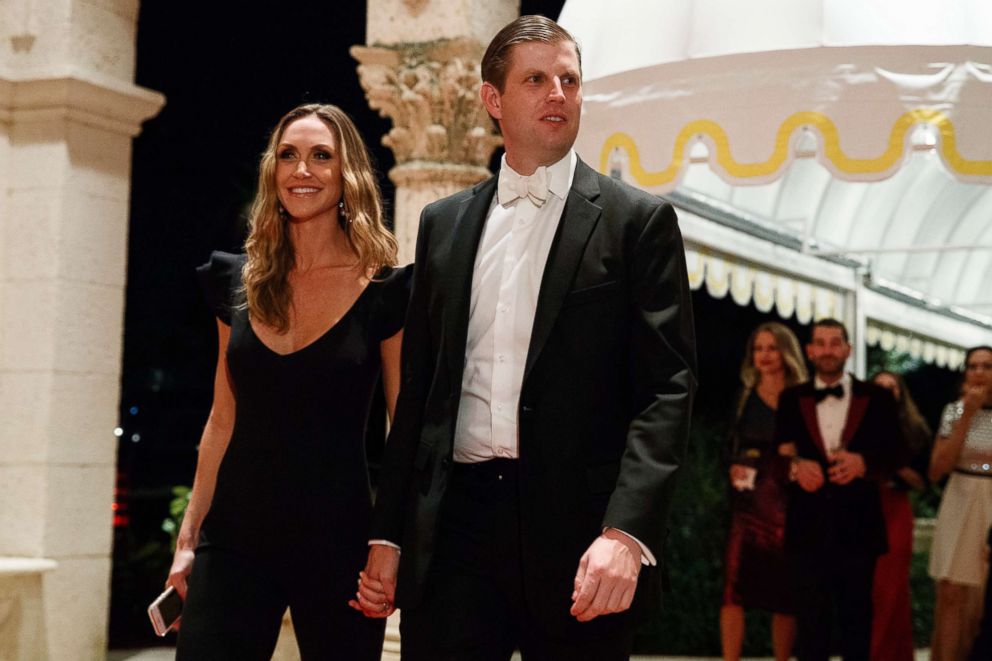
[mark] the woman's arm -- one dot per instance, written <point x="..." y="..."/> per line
<point x="213" y="445"/>
<point x="390" y="352"/>
<point x="946" y="449"/>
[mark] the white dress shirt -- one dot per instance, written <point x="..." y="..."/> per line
<point x="831" y="413"/>
<point x="506" y="280"/>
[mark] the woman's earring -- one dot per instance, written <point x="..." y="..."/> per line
<point x="281" y="210"/>
<point x="343" y="213"/>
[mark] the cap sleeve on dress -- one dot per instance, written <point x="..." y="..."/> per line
<point x="394" y="295"/>
<point x="952" y="413"/>
<point x="219" y="278"/>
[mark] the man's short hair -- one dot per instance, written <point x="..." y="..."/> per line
<point x="829" y="323"/>
<point x="496" y="61"/>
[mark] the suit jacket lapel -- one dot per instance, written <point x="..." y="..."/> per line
<point x="855" y="413"/>
<point x="807" y="403"/>
<point x="578" y="219"/>
<point x="464" y="245"/>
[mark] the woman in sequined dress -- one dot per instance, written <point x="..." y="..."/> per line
<point x="963" y="448"/>
<point x="756" y="575"/>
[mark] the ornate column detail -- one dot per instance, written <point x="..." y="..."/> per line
<point x="431" y="92"/>
<point x="442" y="136"/>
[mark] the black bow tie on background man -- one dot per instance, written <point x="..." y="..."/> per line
<point x="833" y="391"/>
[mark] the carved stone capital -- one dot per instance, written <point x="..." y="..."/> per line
<point x="431" y="93"/>
<point x="419" y="174"/>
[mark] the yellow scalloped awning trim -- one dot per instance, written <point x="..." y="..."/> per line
<point x="832" y="151"/>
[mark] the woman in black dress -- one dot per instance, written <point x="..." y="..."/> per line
<point x="756" y="573"/>
<point x="280" y="506"/>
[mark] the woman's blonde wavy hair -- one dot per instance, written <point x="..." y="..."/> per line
<point x="267" y="292"/>
<point x="793" y="362"/>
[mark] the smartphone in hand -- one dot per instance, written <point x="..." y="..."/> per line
<point x="165" y="611"/>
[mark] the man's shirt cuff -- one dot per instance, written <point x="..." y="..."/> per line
<point x="647" y="558"/>
<point x="384" y="542"/>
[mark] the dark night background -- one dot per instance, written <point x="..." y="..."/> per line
<point x="228" y="73"/>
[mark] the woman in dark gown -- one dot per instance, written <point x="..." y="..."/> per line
<point x="756" y="573"/>
<point x="280" y="506"/>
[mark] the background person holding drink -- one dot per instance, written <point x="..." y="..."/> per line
<point x="845" y="436"/>
<point x="963" y="449"/>
<point x="756" y="575"/>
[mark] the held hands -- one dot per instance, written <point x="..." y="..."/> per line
<point x="809" y="474"/>
<point x="376" y="596"/>
<point x="846" y="467"/>
<point x="607" y="576"/>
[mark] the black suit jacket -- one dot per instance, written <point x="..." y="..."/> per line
<point x="840" y="519"/>
<point x="607" y="387"/>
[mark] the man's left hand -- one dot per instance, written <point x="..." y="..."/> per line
<point x="846" y="467"/>
<point x="607" y="576"/>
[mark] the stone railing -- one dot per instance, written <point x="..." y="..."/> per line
<point x="22" y="619"/>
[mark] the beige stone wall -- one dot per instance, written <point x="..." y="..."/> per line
<point x="68" y="113"/>
<point x="417" y="21"/>
<point x="39" y="37"/>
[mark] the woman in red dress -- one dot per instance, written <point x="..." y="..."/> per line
<point x="892" y="626"/>
<point x="756" y="570"/>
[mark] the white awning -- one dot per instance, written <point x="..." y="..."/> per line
<point x="623" y="35"/>
<point x="844" y="137"/>
<point x="775" y="279"/>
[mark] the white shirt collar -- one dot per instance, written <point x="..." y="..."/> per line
<point x="560" y="174"/>
<point x="845" y="383"/>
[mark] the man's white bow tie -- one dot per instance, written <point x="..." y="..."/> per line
<point x="512" y="186"/>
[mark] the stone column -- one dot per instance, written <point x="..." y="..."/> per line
<point x="421" y="70"/>
<point x="68" y="112"/>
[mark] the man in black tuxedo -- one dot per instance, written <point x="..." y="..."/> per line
<point x="548" y="377"/>
<point x="844" y="436"/>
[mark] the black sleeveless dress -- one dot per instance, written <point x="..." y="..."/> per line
<point x="294" y="478"/>
<point x="289" y="522"/>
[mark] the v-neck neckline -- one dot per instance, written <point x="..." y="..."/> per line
<point x="315" y="340"/>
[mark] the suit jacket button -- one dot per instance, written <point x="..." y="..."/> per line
<point x="446" y="463"/>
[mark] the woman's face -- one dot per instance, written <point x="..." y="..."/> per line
<point x="308" y="170"/>
<point x="978" y="369"/>
<point x="888" y="382"/>
<point x="767" y="358"/>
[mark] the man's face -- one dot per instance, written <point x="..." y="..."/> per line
<point x="828" y="351"/>
<point x="539" y="108"/>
